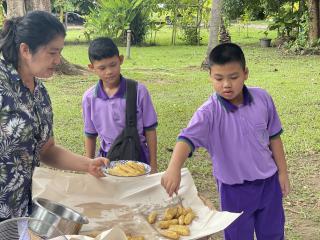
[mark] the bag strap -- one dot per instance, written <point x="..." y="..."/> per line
<point x="131" y="103"/>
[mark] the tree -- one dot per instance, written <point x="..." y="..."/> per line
<point x="214" y="23"/>
<point x="18" y="8"/>
<point x="62" y="6"/>
<point x="44" y="5"/>
<point x="15" y="8"/>
<point x="314" y="24"/>
<point x="191" y="20"/>
<point x="83" y="6"/>
<point x="113" y="17"/>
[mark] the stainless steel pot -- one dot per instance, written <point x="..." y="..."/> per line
<point x="24" y="228"/>
<point x="67" y="220"/>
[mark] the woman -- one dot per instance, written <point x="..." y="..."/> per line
<point x="30" y="48"/>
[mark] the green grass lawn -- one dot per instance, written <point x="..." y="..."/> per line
<point x="178" y="87"/>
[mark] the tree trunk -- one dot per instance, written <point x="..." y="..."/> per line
<point x="18" y="8"/>
<point x="44" y="5"/>
<point x="15" y="8"/>
<point x="314" y="32"/>
<point x="214" y="23"/>
<point x="67" y="68"/>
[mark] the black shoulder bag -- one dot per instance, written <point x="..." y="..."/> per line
<point x="127" y="145"/>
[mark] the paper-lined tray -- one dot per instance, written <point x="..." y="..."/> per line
<point x="109" y="202"/>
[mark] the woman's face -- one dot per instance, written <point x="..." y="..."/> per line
<point x="43" y="62"/>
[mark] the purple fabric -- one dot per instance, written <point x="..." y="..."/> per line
<point x="261" y="203"/>
<point x="247" y="99"/>
<point x="100" y="93"/>
<point x="104" y="116"/>
<point x="237" y="139"/>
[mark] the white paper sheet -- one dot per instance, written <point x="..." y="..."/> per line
<point x="114" y="234"/>
<point x="124" y="202"/>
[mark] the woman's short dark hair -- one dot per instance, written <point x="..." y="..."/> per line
<point x="36" y="29"/>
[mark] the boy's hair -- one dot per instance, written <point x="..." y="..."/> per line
<point x="227" y="53"/>
<point x="101" y="48"/>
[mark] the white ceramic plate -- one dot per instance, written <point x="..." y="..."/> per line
<point x="112" y="164"/>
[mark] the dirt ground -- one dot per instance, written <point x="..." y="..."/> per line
<point x="302" y="206"/>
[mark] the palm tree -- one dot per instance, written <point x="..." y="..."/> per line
<point x="214" y="23"/>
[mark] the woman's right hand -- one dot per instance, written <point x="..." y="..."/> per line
<point x="171" y="180"/>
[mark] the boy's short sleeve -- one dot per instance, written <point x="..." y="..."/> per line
<point x="197" y="132"/>
<point x="274" y="125"/>
<point x="149" y="115"/>
<point x="89" y="128"/>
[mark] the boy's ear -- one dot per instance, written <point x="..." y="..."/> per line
<point x="246" y="73"/>
<point x="121" y="57"/>
<point x="90" y="66"/>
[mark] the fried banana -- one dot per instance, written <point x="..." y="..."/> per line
<point x="179" y="210"/>
<point x="181" y="230"/>
<point x="166" y="224"/>
<point x="170" y="213"/>
<point x="131" y="171"/>
<point x="167" y="217"/>
<point x="118" y="172"/>
<point x="181" y="220"/>
<point x="185" y="211"/>
<point x="169" y="234"/>
<point x="173" y="211"/>
<point x="152" y="217"/>
<point x="189" y="217"/>
<point x="137" y="166"/>
<point x="128" y="169"/>
<point x="135" y="238"/>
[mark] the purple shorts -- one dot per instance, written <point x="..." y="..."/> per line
<point x="261" y="204"/>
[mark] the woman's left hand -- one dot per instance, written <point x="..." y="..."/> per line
<point x="96" y="166"/>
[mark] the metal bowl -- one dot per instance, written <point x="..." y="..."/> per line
<point x="67" y="220"/>
<point x="26" y="228"/>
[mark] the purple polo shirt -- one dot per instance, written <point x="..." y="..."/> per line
<point x="105" y="116"/>
<point x="237" y="137"/>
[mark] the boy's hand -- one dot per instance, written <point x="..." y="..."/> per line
<point x="171" y="180"/>
<point x="284" y="183"/>
<point x="96" y="165"/>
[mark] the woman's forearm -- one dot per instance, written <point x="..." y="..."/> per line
<point x="59" y="157"/>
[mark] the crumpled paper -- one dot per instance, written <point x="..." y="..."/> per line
<point x="113" y="234"/>
<point x="124" y="202"/>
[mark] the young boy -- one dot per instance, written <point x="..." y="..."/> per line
<point x="240" y="128"/>
<point x="104" y="105"/>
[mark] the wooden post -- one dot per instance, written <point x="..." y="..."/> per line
<point x="128" y="43"/>
<point x="66" y="21"/>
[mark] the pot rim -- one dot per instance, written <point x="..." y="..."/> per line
<point x="84" y="219"/>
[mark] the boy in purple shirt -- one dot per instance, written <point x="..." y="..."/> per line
<point x="104" y="105"/>
<point x="240" y="128"/>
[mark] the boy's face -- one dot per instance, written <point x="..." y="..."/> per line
<point x="228" y="80"/>
<point x="108" y="69"/>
